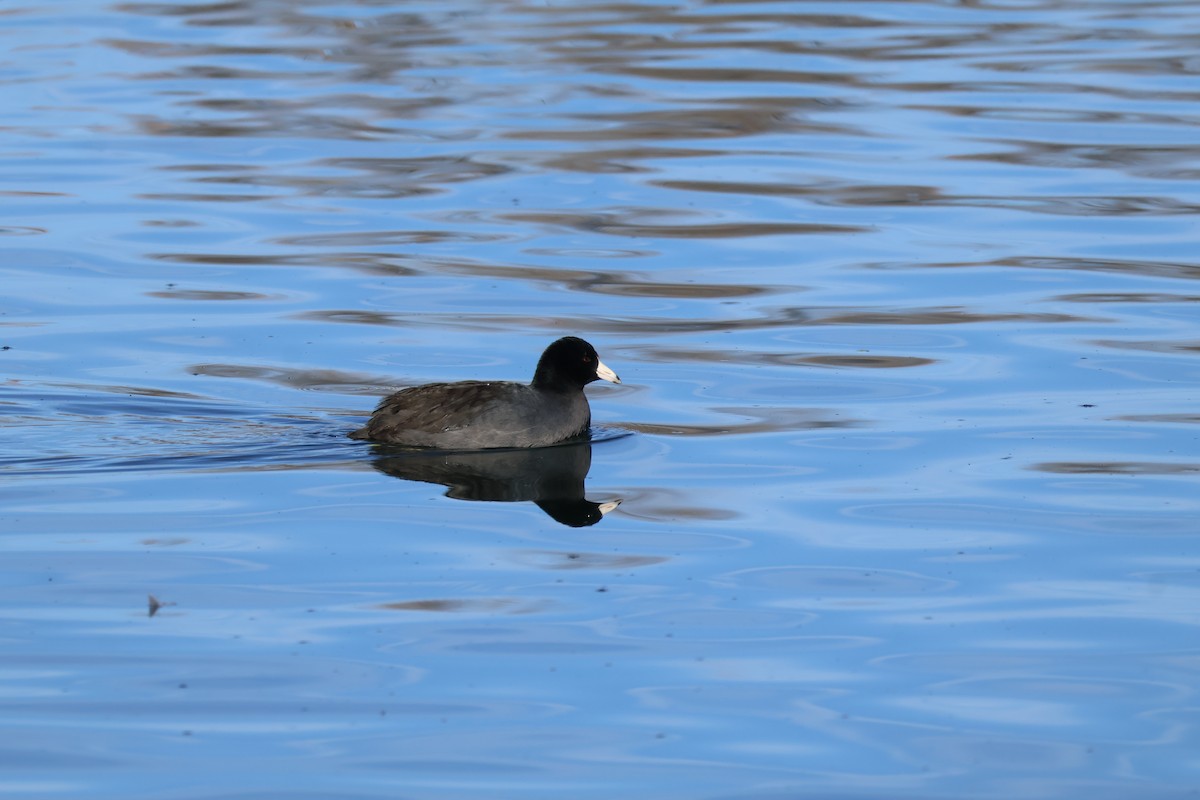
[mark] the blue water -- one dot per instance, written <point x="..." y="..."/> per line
<point x="898" y="497"/>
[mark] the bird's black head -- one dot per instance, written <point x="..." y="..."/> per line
<point x="570" y="363"/>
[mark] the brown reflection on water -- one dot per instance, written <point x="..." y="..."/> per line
<point x="940" y="316"/>
<point x="361" y="317"/>
<point x="1126" y="297"/>
<point x="859" y="361"/>
<point x="631" y="288"/>
<point x="582" y="560"/>
<point x="181" y="50"/>
<point x="472" y="605"/>
<point x="701" y="123"/>
<point x="618" y="160"/>
<point x="818" y="190"/>
<point x="1158" y="269"/>
<point x="1132" y="66"/>
<point x="201" y="294"/>
<point x="1047" y="114"/>
<point x="638" y="222"/>
<point x="385" y="238"/>
<point x="333" y="125"/>
<point x="663" y="504"/>
<point x="1170" y="162"/>
<point x="777" y="318"/>
<point x="573" y="28"/>
<point x="609" y="282"/>
<point x="1084" y="205"/>
<point x="854" y="360"/>
<point x="1116" y="468"/>
<point x="741" y="75"/>
<point x="1158" y="346"/>
<point x="383" y="48"/>
<point x="126" y="390"/>
<point x="370" y="263"/>
<point x="761" y="420"/>
<point x="827" y="192"/>
<point x="377" y="178"/>
<point x="1172" y="419"/>
<point x="306" y="379"/>
<point x="206" y="197"/>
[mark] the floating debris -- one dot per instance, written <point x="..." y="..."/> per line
<point x="156" y="604"/>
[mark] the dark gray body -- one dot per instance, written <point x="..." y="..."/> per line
<point x="478" y="415"/>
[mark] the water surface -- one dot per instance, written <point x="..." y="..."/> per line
<point x="904" y="299"/>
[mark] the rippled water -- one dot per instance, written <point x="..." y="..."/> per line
<point x="904" y="296"/>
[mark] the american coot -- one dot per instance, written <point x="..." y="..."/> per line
<point x="478" y="415"/>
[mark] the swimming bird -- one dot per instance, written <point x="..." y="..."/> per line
<point x="480" y="415"/>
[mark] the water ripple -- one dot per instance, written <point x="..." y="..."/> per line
<point x="903" y="294"/>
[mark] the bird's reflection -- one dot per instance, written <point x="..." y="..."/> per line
<point x="551" y="477"/>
